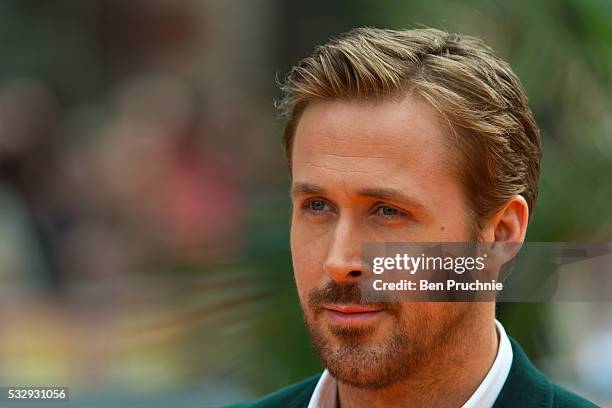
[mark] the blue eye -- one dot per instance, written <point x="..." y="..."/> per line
<point x="316" y="205"/>
<point x="389" y="212"/>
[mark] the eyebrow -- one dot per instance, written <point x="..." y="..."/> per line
<point x="373" y="192"/>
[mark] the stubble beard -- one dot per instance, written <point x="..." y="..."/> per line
<point x="353" y="358"/>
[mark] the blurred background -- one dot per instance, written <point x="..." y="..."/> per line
<point x="144" y="256"/>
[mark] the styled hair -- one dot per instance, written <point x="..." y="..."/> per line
<point x="475" y="92"/>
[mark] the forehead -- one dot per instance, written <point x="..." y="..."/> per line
<point x="392" y="143"/>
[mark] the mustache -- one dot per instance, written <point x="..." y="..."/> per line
<point x="343" y="293"/>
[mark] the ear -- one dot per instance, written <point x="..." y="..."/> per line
<point x="509" y="224"/>
<point x="506" y="231"/>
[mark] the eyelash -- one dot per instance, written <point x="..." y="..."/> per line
<point x="399" y="214"/>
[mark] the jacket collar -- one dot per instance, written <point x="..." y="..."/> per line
<point x="525" y="385"/>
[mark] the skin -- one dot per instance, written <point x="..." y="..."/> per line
<point x="345" y="154"/>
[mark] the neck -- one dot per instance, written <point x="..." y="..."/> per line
<point x="448" y="379"/>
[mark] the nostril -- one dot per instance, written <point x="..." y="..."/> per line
<point x="355" y="274"/>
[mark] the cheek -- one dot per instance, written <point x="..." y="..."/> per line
<point x="456" y="227"/>
<point x="308" y="256"/>
<point x="453" y="222"/>
<point x="422" y="317"/>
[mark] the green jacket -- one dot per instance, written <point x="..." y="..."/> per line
<point x="525" y="387"/>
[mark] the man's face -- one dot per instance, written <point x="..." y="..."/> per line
<point x="371" y="172"/>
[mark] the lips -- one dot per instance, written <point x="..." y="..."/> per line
<point x="352" y="309"/>
<point x="352" y="315"/>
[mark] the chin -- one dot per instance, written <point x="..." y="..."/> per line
<point x="354" y="356"/>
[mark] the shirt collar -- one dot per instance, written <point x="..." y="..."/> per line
<point x="325" y="393"/>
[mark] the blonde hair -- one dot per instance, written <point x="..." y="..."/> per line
<point x="474" y="91"/>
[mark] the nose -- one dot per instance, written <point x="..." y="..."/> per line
<point x="343" y="263"/>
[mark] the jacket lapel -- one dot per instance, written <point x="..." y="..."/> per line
<point x="525" y="386"/>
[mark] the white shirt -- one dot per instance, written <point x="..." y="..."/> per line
<point x="324" y="395"/>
